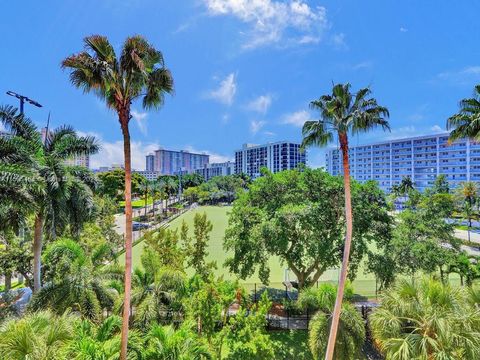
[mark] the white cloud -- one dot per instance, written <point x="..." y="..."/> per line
<point x="256" y="126"/>
<point x="141" y="120"/>
<point x="274" y="22"/>
<point x="297" y="118"/>
<point x="401" y="132"/>
<point x="362" y="65"/>
<point x="269" y="133"/>
<point x="225" y="93"/>
<point x="225" y="119"/>
<point x="339" y="42"/>
<point x="112" y="153"/>
<point x="403" y="29"/>
<point x="463" y="76"/>
<point x="437" y="129"/>
<point x="261" y="104"/>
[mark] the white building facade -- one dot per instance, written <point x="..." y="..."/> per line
<point x="209" y="171"/>
<point x="275" y="157"/>
<point x="421" y="158"/>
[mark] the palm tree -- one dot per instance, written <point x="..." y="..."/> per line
<point x="40" y="336"/>
<point x="145" y="191"/>
<point x="166" y="343"/>
<point x="139" y="72"/>
<point x="102" y="341"/>
<point x="155" y="190"/>
<point x="351" y="334"/>
<point x="156" y="298"/>
<point x="426" y="319"/>
<point x="466" y="123"/>
<point x="342" y="113"/>
<point x="76" y="281"/>
<point x="468" y="194"/>
<point x="64" y="194"/>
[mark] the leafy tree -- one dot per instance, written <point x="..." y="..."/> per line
<point x="76" y="281"/>
<point x="468" y="267"/>
<point x="245" y="333"/>
<point x="296" y="216"/>
<point x="39" y="336"/>
<point x="112" y="183"/>
<point x="343" y="113"/>
<point x="139" y="72"/>
<point x="465" y="123"/>
<point x="422" y="240"/>
<point x="441" y="186"/>
<point x="65" y="195"/>
<point x="426" y="319"/>
<point x="196" y="248"/>
<point x="164" y="245"/>
<point x="145" y="191"/>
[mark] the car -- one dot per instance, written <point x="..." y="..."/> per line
<point x="139" y="226"/>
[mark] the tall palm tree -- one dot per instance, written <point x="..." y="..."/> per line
<point x="144" y="188"/>
<point x="64" y="195"/>
<point x="468" y="194"/>
<point x="466" y="123"/>
<point x="155" y="191"/>
<point x="425" y="319"/>
<point x="139" y="72"/>
<point x="343" y="113"/>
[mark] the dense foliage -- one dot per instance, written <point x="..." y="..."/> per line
<point x="298" y="216"/>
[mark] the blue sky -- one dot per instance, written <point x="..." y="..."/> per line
<point x="244" y="70"/>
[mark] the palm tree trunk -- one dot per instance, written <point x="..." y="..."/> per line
<point x="346" y="251"/>
<point x="128" y="234"/>
<point x="37" y="253"/>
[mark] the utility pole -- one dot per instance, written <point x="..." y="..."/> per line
<point x="22" y="99"/>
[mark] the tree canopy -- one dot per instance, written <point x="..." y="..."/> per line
<point x="298" y="216"/>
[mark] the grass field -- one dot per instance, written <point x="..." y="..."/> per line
<point x="363" y="285"/>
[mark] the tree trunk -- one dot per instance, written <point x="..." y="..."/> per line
<point x="124" y="117"/>
<point x="346" y="252"/>
<point x="8" y="282"/>
<point x="37" y="253"/>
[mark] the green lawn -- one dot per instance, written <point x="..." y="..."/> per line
<point x="137" y="203"/>
<point x="291" y="344"/>
<point x="364" y="284"/>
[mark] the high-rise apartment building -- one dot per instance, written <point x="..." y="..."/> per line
<point x="275" y="157"/>
<point x="421" y="158"/>
<point x="79" y="160"/>
<point x="150" y="162"/>
<point x="209" y="171"/>
<point x="169" y="162"/>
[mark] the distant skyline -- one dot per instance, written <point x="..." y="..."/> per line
<point x="245" y="71"/>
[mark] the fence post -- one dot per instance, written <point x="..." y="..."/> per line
<point x="255" y="293"/>
<point x="286" y="292"/>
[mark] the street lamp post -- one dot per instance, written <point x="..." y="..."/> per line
<point x="22" y="99"/>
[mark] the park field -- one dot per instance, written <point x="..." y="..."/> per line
<point x="218" y="215"/>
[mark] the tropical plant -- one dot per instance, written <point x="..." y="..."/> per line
<point x="145" y="191"/>
<point x="466" y="123"/>
<point x="351" y="333"/>
<point x="102" y="341"/>
<point x="425" y="319"/>
<point x="65" y="198"/>
<point x="166" y="343"/>
<point x="343" y="113"/>
<point x="139" y="72"/>
<point x="467" y="192"/>
<point x="158" y="293"/>
<point x="37" y="336"/>
<point x="76" y="281"/>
